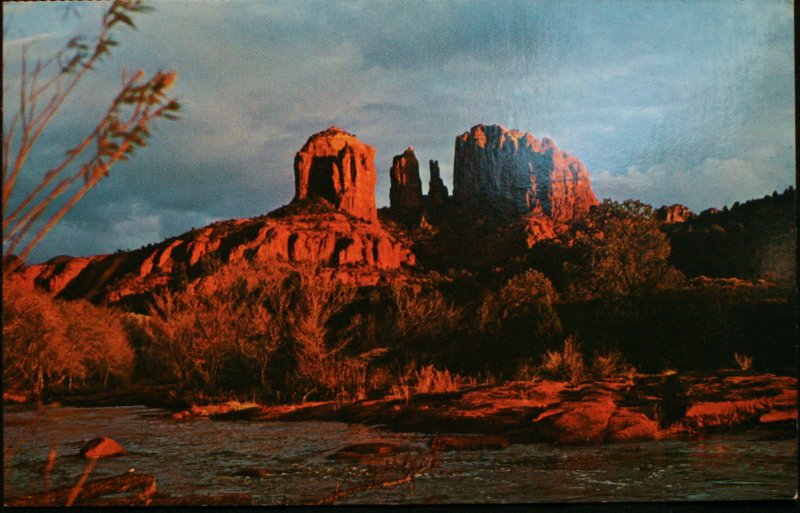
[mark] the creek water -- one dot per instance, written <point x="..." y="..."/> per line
<point x="201" y="457"/>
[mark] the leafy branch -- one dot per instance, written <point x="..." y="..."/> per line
<point x="123" y="128"/>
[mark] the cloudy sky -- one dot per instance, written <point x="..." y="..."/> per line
<point x="664" y="100"/>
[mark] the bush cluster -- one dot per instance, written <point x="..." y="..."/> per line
<point x="50" y="344"/>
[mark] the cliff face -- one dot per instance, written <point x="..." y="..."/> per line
<point x="338" y="168"/>
<point x="515" y="170"/>
<point x="406" y="187"/>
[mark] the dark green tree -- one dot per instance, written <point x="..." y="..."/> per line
<point x="619" y="250"/>
<point x="521" y="315"/>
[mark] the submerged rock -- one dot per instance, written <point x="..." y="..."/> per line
<point x="101" y="447"/>
<point x="256" y="472"/>
<point x="366" y="451"/>
<point x="469" y="443"/>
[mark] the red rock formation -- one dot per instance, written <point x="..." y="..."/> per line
<point x="674" y="214"/>
<point x="497" y="166"/>
<point x="437" y="191"/>
<point x="406" y="188"/>
<point x="357" y="251"/>
<point x="333" y="166"/>
<point x="338" y="168"/>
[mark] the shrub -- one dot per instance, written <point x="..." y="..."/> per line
<point x="104" y="348"/>
<point x="620" y="250"/>
<point x="611" y="365"/>
<point x="420" y="314"/>
<point x="744" y="361"/>
<point x="50" y="343"/>
<point x="429" y="380"/>
<point x="318" y="354"/>
<point x="567" y="364"/>
<point x="220" y="333"/>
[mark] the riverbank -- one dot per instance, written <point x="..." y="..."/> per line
<point x="644" y="407"/>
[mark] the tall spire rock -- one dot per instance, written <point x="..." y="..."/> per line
<point x="336" y="167"/>
<point x="510" y="168"/>
<point x="406" y="189"/>
<point x="437" y="190"/>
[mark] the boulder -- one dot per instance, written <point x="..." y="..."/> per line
<point x="336" y="167"/>
<point x="101" y="447"/>
<point x="629" y="426"/>
<point x="577" y="423"/>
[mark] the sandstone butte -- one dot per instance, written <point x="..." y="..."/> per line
<point x="335" y="166"/>
<point x="514" y="170"/>
<point x="340" y="232"/>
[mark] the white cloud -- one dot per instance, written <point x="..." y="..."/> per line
<point x="713" y="183"/>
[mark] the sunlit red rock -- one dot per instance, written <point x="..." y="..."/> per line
<point x="676" y="213"/>
<point x="357" y="252"/>
<point x="335" y="166"/>
<point x="405" y="192"/>
<point x="577" y="422"/>
<point x="515" y="170"/>
<point x="628" y="426"/>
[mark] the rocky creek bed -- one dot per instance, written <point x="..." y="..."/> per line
<point x="651" y="407"/>
<point x="690" y="436"/>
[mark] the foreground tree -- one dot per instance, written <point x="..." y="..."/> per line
<point x="49" y="343"/>
<point x="43" y="89"/>
<point x="620" y="251"/>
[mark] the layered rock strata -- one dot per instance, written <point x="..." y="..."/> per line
<point x="358" y="251"/>
<point x="336" y="167"/>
